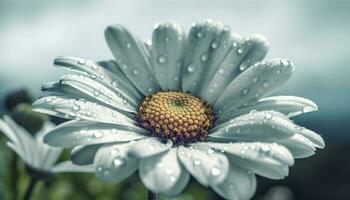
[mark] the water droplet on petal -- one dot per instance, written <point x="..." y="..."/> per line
<point x="266" y="84"/>
<point x="255" y="79"/>
<point x="75" y="107"/>
<point x="81" y="61"/>
<point x="204" y="57"/>
<point x="245" y="91"/>
<point x="118" y="162"/>
<point x="278" y="71"/>
<point x="196" y="162"/>
<point x="199" y="34"/>
<point x="128" y="45"/>
<point x="190" y="68"/>
<point x="240" y="51"/>
<point x="215" y="171"/>
<point x="98" y="134"/>
<point x="135" y="72"/>
<point x="214" y="45"/>
<point x="162" y="59"/>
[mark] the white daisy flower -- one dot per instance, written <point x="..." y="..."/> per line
<point x="180" y="105"/>
<point x="38" y="157"/>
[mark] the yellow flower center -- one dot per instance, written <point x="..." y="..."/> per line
<point x="177" y="116"/>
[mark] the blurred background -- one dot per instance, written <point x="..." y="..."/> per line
<point x="313" y="34"/>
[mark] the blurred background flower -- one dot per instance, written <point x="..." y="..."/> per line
<point x="313" y="34"/>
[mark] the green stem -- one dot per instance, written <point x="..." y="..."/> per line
<point x="30" y="188"/>
<point x="151" y="195"/>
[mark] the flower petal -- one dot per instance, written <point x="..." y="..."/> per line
<point x="220" y="48"/>
<point x="130" y="55"/>
<point x="289" y="105"/>
<point x="114" y="81"/>
<point x="197" y="53"/>
<point x="84" y="155"/>
<point x="149" y="147"/>
<point x="257" y="81"/>
<point x="80" y="109"/>
<point x="240" y="184"/>
<point x="68" y="166"/>
<point x="112" y="162"/>
<point x="205" y="164"/>
<point x="242" y="55"/>
<point x="299" y="146"/>
<point x="168" y="42"/>
<point x="312" y="136"/>
<point x="161" y="173"/>
<point x="179" y="186"/>
<point x="74" y="133"/>
<point x="101" y="93"/>
<point x="255" y="125"/>
<point x="266" y="159"/>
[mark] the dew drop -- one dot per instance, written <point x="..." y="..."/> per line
<point x="176" y="78"/>
<point x="75" y="107"/>
<point x="128" y="45"/>
<point x="135" y="72"/>
<point x="240" y="51"/>
<point x="162" y="59"/>
<point x="255" y="79"/>
<point x="98" y="134"/>
<point x="278" y="71"/>
<point x="115" y="83"/>
<point x="81" y="61"/>
<point x="118" y="162"/>
<point x="190" y="68"/>
<point x="234" y="44"/>
<point x="215" y="171"/>
<point x="214" y="45"/>
<point x="242" y="67"/>
<point x="196" y="162"/>
<point x="166" y="39"/>
<point x="204" y="57"/>
<point x="285" y="63"/>
<point x="96" y="93"/>
<point x="268" y="116"/>
<point x="221" y="71"/>
<point x="149" y="90"/>
<point x="199" y="34"/>
<point x="266" y="84"/>
<point x="245" y="91"/>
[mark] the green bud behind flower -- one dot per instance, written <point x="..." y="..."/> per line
<point x="27" y="118"/>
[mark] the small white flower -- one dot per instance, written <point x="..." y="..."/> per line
<point x="38" y="156"/>
<point x="180" y="105"/>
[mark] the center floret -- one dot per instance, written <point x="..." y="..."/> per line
<point x="177" y="116"/>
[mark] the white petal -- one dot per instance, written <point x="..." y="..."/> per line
<point x="220" y="48"/>
<point x="114" y="80"/>
<point x="242" y="54"/>
<point x="289" y="105"/>
<point x="79" y="109"/>
<point x="266" y="159"/>
<point x="84" y="155"/>
<point x="240" y="184"/>
<point x="299" y="146"/>
<point x="112" y="162"/>
<point x="74" y="133"/>
<point x="24" y="142"/>
<point x="197" y="53"/>
<point x="179" y="186"/>
<point x="312" y="136"/>
<point x="101" y="93"/>
<point x="255" y="125"/>
<point x="161" y="173"/>
<point x="58" y="89"/>
<point x="168" y="42"/>
<point x="207" y="166"/>
<point x="149" y="146"/>
<point x="68" y="166"/>
<point x="130" y="55"/>
<point x="256" y="82"/>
